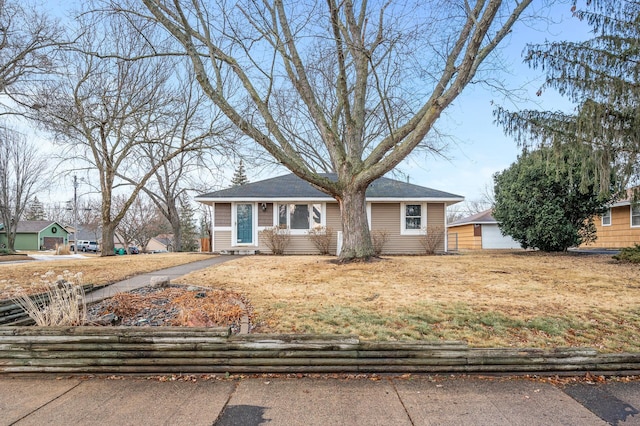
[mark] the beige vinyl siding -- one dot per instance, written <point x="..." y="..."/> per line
<point x="435" y="216"/>
<point x="222" y="214"/>
<point x="466" y="239"/>
<point x="619" y="234"/>
<point x="265" y="218"/>
<point x="222" y="241"/>
<point x="384" y="216"/>
<point x="387" y="216"/>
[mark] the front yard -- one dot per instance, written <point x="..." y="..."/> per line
<point x="512" y="299"/>
<point x="487" y="299"/>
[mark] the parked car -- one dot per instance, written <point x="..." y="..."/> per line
<point x="134" y="250"/>
<point x="119" y="250"/>
<point x="86" y="246"/>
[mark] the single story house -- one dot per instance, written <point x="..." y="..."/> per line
<point x="619" y="227"/>
<point x="160" y="243"/>
<point x="84" y="234"/>
<point x="36" y="235"/>
<point x="401" y="210"/>
<point x="480" y="231"/>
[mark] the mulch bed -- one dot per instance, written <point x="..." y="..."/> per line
<point x="179" y="306"/>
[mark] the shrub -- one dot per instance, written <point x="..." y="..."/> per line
<point x="62" y="304"/>
<point x="321" y="238"/>
<point x="629" y="254"/>
<point x="379" y="238"/>
<point x="277" y="239"/>
<point x="62" y="249"/>
<point x="432" y="239"/>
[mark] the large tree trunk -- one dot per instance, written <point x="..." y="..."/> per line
<point x="108" y="233"/>
<point x="356" y="238"/>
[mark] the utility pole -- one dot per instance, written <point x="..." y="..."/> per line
<point x="75" y="214"/>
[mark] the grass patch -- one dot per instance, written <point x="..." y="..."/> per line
<point x="488" y="299"/>
<point x="26" y="278"/>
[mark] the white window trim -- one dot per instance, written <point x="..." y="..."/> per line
<point x="276" y="216"/>
<point x="631" y="215"/>
<point x="423" y="219"/>
<point x="609" y="216"/>
<point x="254" y="225"/>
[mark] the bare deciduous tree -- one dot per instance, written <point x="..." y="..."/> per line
<point x="29" y="43"/>
<point x="106" y="112"/>
<point x="193" y="120"/>
<point x="22" y="176"/>
<point x="142" y="222"/>
<point x="349" y="87"/>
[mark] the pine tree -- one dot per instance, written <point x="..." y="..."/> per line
<point x="239" y="177"/>
<point x="602" y="77"/>
<point x="35" y="210"/>
<point x="188" y="227"/>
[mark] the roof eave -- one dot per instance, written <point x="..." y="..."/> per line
<point x="447" y="200"/>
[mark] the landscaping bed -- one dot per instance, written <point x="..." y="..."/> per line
<point x="178" y="306"/>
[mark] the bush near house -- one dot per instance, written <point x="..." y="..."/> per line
<point x="629" y="254"/>
<point x="321" y="238"/>
<point x="276" y="238"/>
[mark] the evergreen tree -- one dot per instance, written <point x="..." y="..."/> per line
<point x="35" y="211"/>
<point x="188" y="227"/>
<point x="542" y="203"/>
<point x="602" y="77"/>
<point x="239" y="177"/>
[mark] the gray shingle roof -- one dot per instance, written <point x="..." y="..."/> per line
<point x="32" y="226"/>
<point x="482" y="217"/>
<point x="292" y="187"/>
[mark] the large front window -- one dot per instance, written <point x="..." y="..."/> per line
<point x="300" y="216"/>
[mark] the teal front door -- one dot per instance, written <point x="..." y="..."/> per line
<point x="244" y="220"/>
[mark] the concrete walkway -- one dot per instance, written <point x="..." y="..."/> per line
<point x="144" y="279"/>
<point x="416" y="400"/>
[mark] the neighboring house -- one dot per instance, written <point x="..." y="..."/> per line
<point x="480" y="231"/>
<point x="83" y="234"/>
<point x="619" y="227"/>
<point x="159" y="244"/>
<point x="36" y="235"/>
<point x="400" y="209"/>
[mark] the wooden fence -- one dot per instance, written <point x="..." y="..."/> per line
<point x="165" y="350"/>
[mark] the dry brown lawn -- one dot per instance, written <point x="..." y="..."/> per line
<point x="518" y="299"/>
<point x="27" y="277"/>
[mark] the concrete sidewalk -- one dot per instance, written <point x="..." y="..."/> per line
<point x="144" y="279"/>
<point x="415" y="400"/>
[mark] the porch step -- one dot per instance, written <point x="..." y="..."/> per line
<point x="242" y="252"/>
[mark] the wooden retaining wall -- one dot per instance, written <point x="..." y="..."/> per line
<point x="164" y="350"/>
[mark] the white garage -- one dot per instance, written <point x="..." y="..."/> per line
<point x="479" y="231"/>
<point x="492" y="238"/>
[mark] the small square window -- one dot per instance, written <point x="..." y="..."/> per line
<point x="413" y="216"/>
